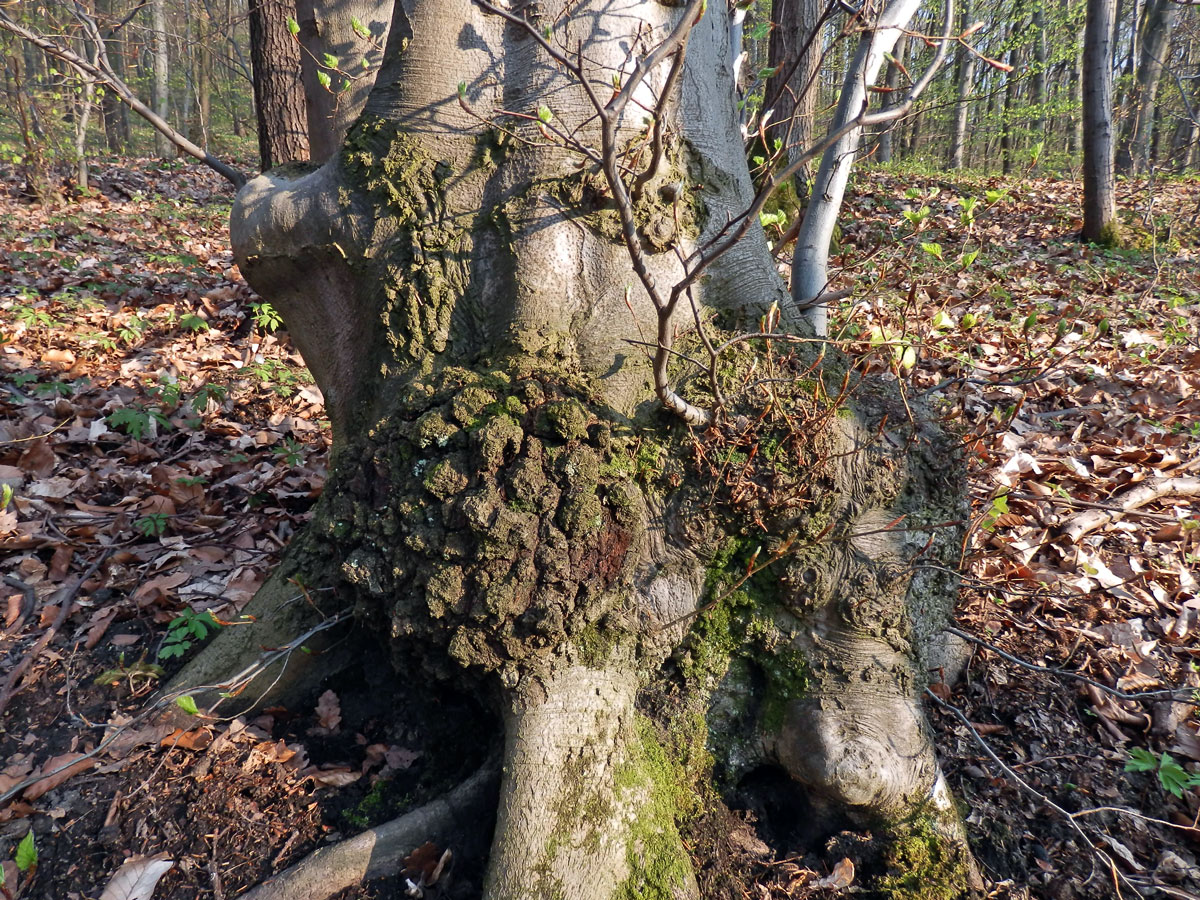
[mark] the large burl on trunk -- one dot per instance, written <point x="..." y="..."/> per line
<point x="510" y="509"/>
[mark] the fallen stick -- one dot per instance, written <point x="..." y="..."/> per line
<point x="380" y="851"/>
<point x="1088" y="521"/>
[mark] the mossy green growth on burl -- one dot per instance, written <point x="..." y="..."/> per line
<point x="923" y="864"/>
<point x="659" y="865"/>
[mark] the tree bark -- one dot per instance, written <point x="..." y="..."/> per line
<point x="1008" y="110"/>
<point x="810" y="264"/>
<point x="794" y="52"/>
<point x="278" y="89"/>
<point x="467" y="307"/>
<point x="115" y="113"/>
<point x="1099" y="182"/>
<point x="1038" y="80"/>
<point x="965" y="81"/>
<point x="892" y="82"/>
<point x="161" y="83"/>
<point x="327" y="30"/>
<point x="1133" y="149"/>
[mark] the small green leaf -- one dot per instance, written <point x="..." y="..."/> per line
<point x="359" y="28"/>
<point x="462" y="89"/>
<point x="27" y="856"/>
<point x="933" y="249"/>
<point x="969" y="320"/>
<point x="187" y="704"/>
<point x="329" y="61"/>
<point x="544" y="114"/>
<point x="293" y="26"/>
<point x="941" y="321"/>
<point x="1141" y="761"/>
<point x="323" y="77"/>
<point x="969" y="257"/>
<point x="1030" y="321"/>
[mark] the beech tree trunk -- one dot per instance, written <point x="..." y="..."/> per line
<point x="114" y="112"/>
<point x="891" y="81"/>
<point x="161" y="82"/>
<point x="278" y="89"/>
<point x="510" y="508"/>
<point x="1038" y="81"/>
<point x="810" y="264"/>
<point x="965" y="80"/>
<point x="1099" y="180"/>
<point x="327" y="33"/>
<point x="794" y="52"/>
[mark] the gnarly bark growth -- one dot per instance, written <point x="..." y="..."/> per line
<point x="508" y="508"/>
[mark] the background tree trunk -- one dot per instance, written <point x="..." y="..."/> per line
<point x="115" y="113"/>
<point x="278" y="90"/>
<point x="892" y="82"/>
<point x="1099" y="182"/>
<point x="794" y="52"/>
<point x="965" y="81"/>
<point x="161" y="83"/>
<point x="1133" y="149"/>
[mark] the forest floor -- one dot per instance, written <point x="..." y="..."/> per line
<point x="160" y="441"/>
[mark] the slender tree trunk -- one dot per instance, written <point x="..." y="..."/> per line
<point x="810" y="265"/>
<point x="1038" y="79"/>
<point x="82" y="120"/>
<point x="1099" y="182"/>
<point x="1008" y="111"/>
<point x="1133" y="148"/>
<point x="188" y="58"/>
<point x="161" y="84"/>
<point x="1075" y="123"/>
<point x="964" y="78"/>
<point x="278" y="89"/>
<point x="114" y="112"/>
<point x="892" y="83"/>
<point x="327" y="33"/>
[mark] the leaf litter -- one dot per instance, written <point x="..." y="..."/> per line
<point x="150" y="416"/>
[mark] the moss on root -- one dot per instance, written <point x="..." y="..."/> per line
<point x="922" y="864"/>
<point x="659" y="865"/>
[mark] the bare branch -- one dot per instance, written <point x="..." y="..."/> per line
<point x="102" y="72"/>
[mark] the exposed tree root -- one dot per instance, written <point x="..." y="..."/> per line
<point x="379" y="852"/>
<point x="281" y="613"/>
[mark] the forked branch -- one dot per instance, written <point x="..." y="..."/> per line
<point x="609" y="114"/>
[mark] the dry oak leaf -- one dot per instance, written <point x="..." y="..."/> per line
<point x="329" y="711"/>
<point x="137" y="877"/>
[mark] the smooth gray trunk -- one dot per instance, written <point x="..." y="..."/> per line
<point x="1099" y="182"/>
<point x="161" y="83"/>
<point x="965" y="81"/>
<point x="1133" y="150"/>
<point x="810" y="264"/>
<point x="892" y="82"/>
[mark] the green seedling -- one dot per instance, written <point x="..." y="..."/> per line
<point x="185" y="628"/>
<point x="1173" y="777"/>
